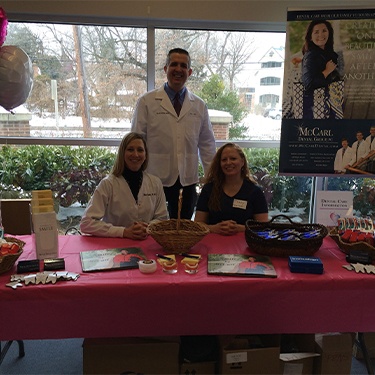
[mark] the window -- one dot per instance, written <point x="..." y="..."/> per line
<point x="88" y="78"/>
<point x="271" y="64"/>
<point x="269" y="100"/>
<point x="270" y="81"/>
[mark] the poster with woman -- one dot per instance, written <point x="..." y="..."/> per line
<point x="328" y="93"/>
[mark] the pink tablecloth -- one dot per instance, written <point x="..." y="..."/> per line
<point x="129" y="303"/>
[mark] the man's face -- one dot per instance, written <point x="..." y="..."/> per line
<point x="372" y="131"/>
<point x="177" y="71"/>
<point x="359" y="136"/>
<point x="344" y="144"/>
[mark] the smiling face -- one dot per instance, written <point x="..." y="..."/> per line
<point x="135" y="155"/>
<point x="320" y="35"/>
<point x="231" y="162"/>
<point x="177" y="71"/>
<point x="359" y="136"/>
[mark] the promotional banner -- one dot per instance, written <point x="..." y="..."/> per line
<point x="328" y="124"/>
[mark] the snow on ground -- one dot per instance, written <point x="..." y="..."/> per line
<point x="262" y="128"/>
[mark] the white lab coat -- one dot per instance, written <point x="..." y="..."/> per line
<point x="175" y="144"/>
<point x="362" y="151"/>
<point x="113" y="207"/>
<point x="371" y="144"/>
<point x="342" y="161"/>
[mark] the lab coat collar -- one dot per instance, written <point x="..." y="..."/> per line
<point x="166" y="103"/>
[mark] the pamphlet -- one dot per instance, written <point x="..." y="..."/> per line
<point x="241" y="265"/>
<point x="111" y="259"/>
<point x="333" y="205"/>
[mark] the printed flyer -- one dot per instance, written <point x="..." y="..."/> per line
<point x="333" y="205"/>
<point x="328" y="124"/>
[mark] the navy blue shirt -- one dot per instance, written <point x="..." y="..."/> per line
<point x="248" y="201"/>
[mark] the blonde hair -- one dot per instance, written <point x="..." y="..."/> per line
<point x="119" y="165"/>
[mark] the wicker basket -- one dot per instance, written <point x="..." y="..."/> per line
<point x="174" y="240"/>
<point x="347" y="247"/>
<point x="283" y="248"/>
<point x="7" y="261"/>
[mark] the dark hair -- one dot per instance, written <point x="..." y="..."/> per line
<point x="119" y="165"/>
<point x="178" y="50"/>
<point x="216" y="175"/>
<point x="309" y="44"/>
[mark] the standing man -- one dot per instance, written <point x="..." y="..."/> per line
<point x="343" y="157"/>
<point x="178" y="132"/>
<point x="360" y="149"/>
<point x="371" y="138"/>
<point x="370" y="167"/>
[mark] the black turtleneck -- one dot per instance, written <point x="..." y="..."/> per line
<point x="134" y="180"/>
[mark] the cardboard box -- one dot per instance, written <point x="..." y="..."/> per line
<point x="302" y="361"/>
<point x="131" y="355"/>
<point x="335" y="353"/>
<point x="198" y="368"/>
<point x="16" y="215"/>
<point x="249" y="354"/>
<point x="369" y="338"/>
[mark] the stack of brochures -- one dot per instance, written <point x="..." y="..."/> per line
<point x="301" y="264"/>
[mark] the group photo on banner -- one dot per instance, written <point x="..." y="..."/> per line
<point x="328" y="109"/>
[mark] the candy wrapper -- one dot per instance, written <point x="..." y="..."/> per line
<point x="287" y="234"/>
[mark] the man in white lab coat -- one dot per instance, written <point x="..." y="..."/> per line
<point x="178" y="132"/>
<point x="360" y="149"/>
<point x="343" y="157"/>
<point x="370" y="167"/>
<point x="371" y="138"/>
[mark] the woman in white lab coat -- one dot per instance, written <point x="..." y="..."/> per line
<point x="128" y="199"/>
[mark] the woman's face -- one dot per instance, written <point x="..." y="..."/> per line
<point x="135" y="154"/>
<point x="320" y="35"/>
<point x="231" y="162"/>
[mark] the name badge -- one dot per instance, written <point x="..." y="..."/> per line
<point x="238" y="203"/>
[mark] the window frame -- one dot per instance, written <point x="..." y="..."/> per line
<point x="151" y="26"/>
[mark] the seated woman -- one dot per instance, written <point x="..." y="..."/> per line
<point x="127" y="199"/>
<point x="230" y="196"/>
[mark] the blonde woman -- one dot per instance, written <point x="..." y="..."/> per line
<point x="127" y="199"/>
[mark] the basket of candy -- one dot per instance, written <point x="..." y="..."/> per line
<point x="177" y="236"/>
<point x="282" y="239"/>
<point x="10" y="250"/>
<point x="354" y="233"/>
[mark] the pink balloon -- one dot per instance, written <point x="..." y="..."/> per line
<point x="16" y="77"/>
<point x="3" y="26"/>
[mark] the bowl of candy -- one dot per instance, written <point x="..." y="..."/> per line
<point x="284" y="238"/>
<point x="354" y="233"/>
<point x="10" y="250"/>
